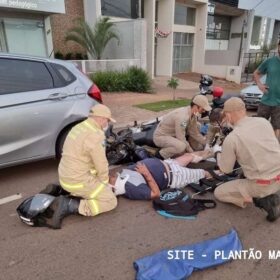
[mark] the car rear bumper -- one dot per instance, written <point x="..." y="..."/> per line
<point x="251" y="102"/>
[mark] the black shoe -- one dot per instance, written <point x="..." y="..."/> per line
<point x="54" y="189"/>
<point x="271" y="204"/>
<point x="62" y="207"/>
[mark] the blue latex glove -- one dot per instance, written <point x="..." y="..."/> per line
<point x="204" y="129"/>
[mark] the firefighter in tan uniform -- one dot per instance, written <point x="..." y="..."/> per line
<point x="170" y="135"/>
<point x="83" y="169"/>
<point x="253" y="144"/>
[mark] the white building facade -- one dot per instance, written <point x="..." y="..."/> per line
<point x="25" y="26"/>
<point x="179" y="44"/>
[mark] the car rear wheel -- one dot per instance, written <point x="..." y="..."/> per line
<point x="60" y="142"/>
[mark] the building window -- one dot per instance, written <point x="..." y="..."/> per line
<point x="218" y="27"/>
<point x="3" y="44"/>
<point x="120" y="8"/>
<point x="25" y="36"/>
<point x="184" y="15"/>
<point x="255" y="38"/>
<point x="182" y="52"/>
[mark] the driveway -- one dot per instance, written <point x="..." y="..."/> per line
<point x="125" y="113"/>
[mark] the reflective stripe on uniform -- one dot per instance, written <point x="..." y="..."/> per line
<point x="93" y="171"/>
<point x="90" y="126"/>
<point x="93" y="203"/>
<point x="96" y="192"/>
<point x="94" y="207"/>
<point x="71" y="186"/>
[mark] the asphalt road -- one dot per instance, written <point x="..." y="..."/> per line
<point x="105" y="247"/>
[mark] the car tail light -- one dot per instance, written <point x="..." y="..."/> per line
<point x="94" y="92"/>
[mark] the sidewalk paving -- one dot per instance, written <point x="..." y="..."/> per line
<point x="121" y="104"/>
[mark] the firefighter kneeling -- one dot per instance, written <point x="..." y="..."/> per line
<point x="253" y="144"/>
<point x="83" y="170"/>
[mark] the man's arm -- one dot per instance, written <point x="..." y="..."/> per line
<point x="258" y="73"/>
<point x="227" y="158"/>
<point x="142" y="169"/>
<point x="180" y="132"/>
<point x="96" y="149"/>
<point x="194" y="132"/>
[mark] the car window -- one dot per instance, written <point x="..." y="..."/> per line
<point x="23" y="75"/>
<point x="64" y="74"/>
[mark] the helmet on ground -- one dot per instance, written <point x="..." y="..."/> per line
<point x="206" y="80"/>
<point x="218" y="92"/>
<point x="33" y="211"/>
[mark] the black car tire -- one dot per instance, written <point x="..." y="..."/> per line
<point x="60" y="142"/>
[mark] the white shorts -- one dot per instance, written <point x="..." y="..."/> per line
<point x="182" y="176"/>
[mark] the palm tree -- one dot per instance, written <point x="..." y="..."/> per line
<point x="173" y="83"/>
<point x="95" y="39"/>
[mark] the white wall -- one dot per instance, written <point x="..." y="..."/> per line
<point x="149" y="13"/>
<point x="219" y="57"/>
<point x="132" y="34"/>
<point x="48" y="34"/>
<point x="236" y="27"/>
<point x="216" y="44"/>
<point x="92" y="10"/>
<point x="165" y="45"/>
<point x="200" y="39"/>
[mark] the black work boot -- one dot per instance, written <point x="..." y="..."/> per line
<point x="271" y="204"/>
<point x="62" y="207"/>
<point x="54" y="189"/>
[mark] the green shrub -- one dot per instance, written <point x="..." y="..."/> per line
<point x="78" y="56"/>
<point x="109" y="81"/>
<point x="138" y="80"/>
<point x="133" y="79"/>
<point x="69" y="56"/>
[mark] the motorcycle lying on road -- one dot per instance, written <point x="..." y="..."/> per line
<point x="136" y="142"/>
<point x="121" y="146"/>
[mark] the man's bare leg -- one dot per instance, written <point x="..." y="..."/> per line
<point x="185" y="159"/>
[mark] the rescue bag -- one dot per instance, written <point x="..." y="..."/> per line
<point x="177" y="202"/>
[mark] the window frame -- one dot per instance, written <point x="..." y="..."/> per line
<point x="218" y="31"/>
<point x="187" y="8"/>
<point x="59" y="75"/>
<point x="133" y="15"/>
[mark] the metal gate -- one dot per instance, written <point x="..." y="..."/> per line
<point x="251" y="61"/>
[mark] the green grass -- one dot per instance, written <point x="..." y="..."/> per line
<point x="164" y="105"/>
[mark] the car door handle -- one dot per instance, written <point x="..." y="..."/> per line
<point x="58" y="96"/>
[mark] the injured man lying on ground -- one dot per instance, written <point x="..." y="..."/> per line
<point x="147" y="178"/>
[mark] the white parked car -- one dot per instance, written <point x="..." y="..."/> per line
<point x="40" y="100"/>
<point x="252" y="95"/>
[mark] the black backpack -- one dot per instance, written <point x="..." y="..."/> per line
<point x="177" y="202"/>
